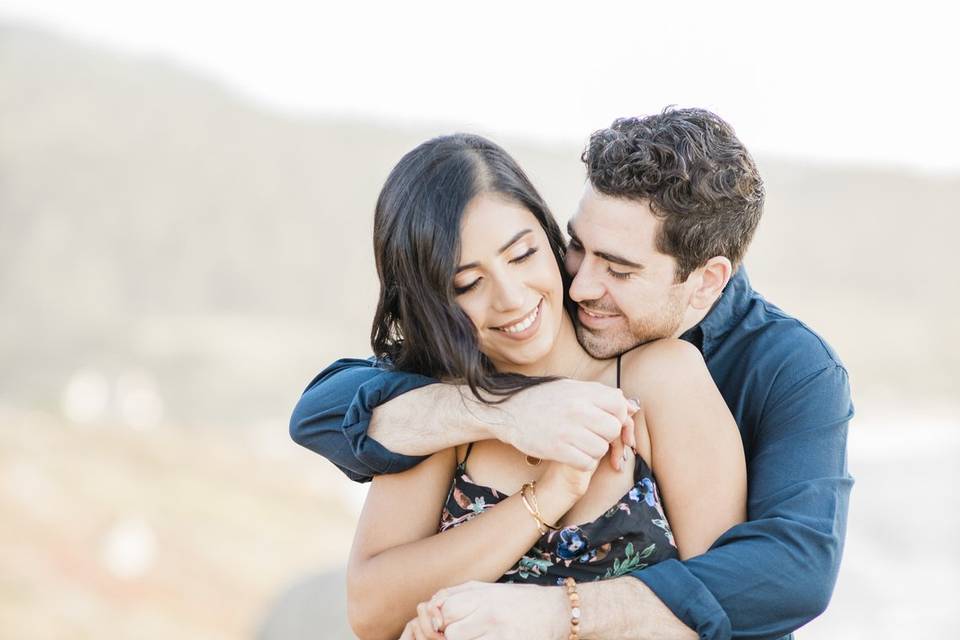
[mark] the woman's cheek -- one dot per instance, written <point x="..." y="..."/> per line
<point x="476" y="311"/>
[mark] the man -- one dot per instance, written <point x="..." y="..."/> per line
<point x="669" y="208"/>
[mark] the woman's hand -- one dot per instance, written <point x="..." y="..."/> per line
<point x="568" y="481"/>
<point x="427" y="624"/>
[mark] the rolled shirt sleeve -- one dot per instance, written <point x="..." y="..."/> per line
<point x="333" y="415"/>
<point x="776" y="572"/>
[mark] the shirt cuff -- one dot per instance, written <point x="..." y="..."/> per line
<point x="356" y="421"/>
<point x="688" y="598"/>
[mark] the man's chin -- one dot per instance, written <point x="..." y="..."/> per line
<point x="605" y="344"/>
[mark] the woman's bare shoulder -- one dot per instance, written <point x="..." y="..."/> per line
<point x="653" y="359"/>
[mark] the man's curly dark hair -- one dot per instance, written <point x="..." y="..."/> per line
<point x="694" y="173"/>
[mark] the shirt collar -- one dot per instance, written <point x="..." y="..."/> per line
<point x="727" y="311"/>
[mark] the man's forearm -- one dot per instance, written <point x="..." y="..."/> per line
<point x="433" y="418"/>
<point x="626" y="609"/>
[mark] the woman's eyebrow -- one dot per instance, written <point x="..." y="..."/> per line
<point x="514" y="239"/>
<point x="509" y="243"/>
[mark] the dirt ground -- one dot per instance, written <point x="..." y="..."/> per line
<point x="110" y="532"/>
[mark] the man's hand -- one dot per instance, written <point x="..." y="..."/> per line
<point x="569" y="421"/>
<point x="615" y="609"/>
<point x="493" y="611"/>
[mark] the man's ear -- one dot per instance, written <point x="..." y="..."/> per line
<point x="713" y="277"/>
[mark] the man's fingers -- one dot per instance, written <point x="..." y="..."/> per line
<point x="603" y="424"/>
<point x="446" y="592"/>
<point x="576" y="458"/>
<point x="458" y="602"/>
<point x="612" y="401"/>
<point x="466" y="629"/>
<point x="591" y="444"/>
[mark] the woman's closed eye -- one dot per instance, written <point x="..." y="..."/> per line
<point x="460" y="290"/>
<point x="526" y="254"/>
<point x="466" y="288"/>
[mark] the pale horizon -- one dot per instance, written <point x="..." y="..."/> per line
<point x="826" y="91"/>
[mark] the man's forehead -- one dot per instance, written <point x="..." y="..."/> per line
<point x="614" y="222"/>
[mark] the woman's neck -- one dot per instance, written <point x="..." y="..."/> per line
<point x="567" y="359"/>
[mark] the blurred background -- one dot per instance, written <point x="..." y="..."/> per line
<point x="186" y="195"/>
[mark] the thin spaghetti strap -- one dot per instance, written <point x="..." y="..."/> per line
<point x="467" y="454"/>
<point x="618" y="369"/>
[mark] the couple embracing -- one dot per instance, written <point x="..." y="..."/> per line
<point x="615" y="437"/>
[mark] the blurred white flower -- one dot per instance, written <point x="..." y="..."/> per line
<point x="129" y="549"/>
<point x="86" y="397"/>
<point x="138" y="401"/>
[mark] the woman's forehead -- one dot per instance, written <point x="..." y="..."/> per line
<point x="490" y="220"/>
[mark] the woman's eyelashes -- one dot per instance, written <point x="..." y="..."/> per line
<point x="518" y="260"/>
<point x="522" y="258"/>
<point x="464" y="289"/>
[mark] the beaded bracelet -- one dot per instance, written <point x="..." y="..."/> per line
<point x="574" y="597"/>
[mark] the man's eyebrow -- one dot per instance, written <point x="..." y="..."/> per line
<point x="507" y="245"/>
<point x="609" y="257"/>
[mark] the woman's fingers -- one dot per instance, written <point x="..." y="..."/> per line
<point x="435" y="615"/>
<point x="616" y="454"/>
<point x="428" y="625"/>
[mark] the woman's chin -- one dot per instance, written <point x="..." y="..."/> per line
<point x="522" y="355"/>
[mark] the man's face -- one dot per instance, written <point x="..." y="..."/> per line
<point x="624" y="287"/>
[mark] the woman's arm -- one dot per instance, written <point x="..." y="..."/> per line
<point x="398" y="559"/>
<point x="696" y="451"/>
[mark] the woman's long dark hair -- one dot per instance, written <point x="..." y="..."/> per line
<point x="418" y="325"/>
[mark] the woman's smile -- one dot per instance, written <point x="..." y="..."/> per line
<point x="525" y="327"/>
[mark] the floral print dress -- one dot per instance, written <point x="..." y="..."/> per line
<point x="631" y="535"/>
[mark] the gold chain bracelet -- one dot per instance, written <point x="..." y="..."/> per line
<point x="530" y="502"/>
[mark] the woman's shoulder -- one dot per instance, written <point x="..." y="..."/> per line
<point x="648" y="360"/>
<point x="661" y="356"/>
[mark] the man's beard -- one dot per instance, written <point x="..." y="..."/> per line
<point x="661" y="324"/>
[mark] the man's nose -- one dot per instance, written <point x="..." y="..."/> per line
<point x="586" y="285"/>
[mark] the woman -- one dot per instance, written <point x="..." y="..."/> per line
<point x="473" y="291"/>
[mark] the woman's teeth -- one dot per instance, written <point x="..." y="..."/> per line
<point x="525" y="323"/>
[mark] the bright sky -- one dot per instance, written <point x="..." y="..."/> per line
<point x="834" y="81"/>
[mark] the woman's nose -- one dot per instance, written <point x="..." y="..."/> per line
<point x="509" y="294"/>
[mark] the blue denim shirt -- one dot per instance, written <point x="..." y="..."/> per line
<point x="790" y="396"/>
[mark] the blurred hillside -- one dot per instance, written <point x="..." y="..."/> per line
<point x="154" y="224"/>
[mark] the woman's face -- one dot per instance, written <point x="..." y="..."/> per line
<point x="508" y="282"/>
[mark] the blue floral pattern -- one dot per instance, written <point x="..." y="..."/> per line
<point x="630" y="536"/>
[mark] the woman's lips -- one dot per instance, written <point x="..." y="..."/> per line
<point x="525" y="327"/>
